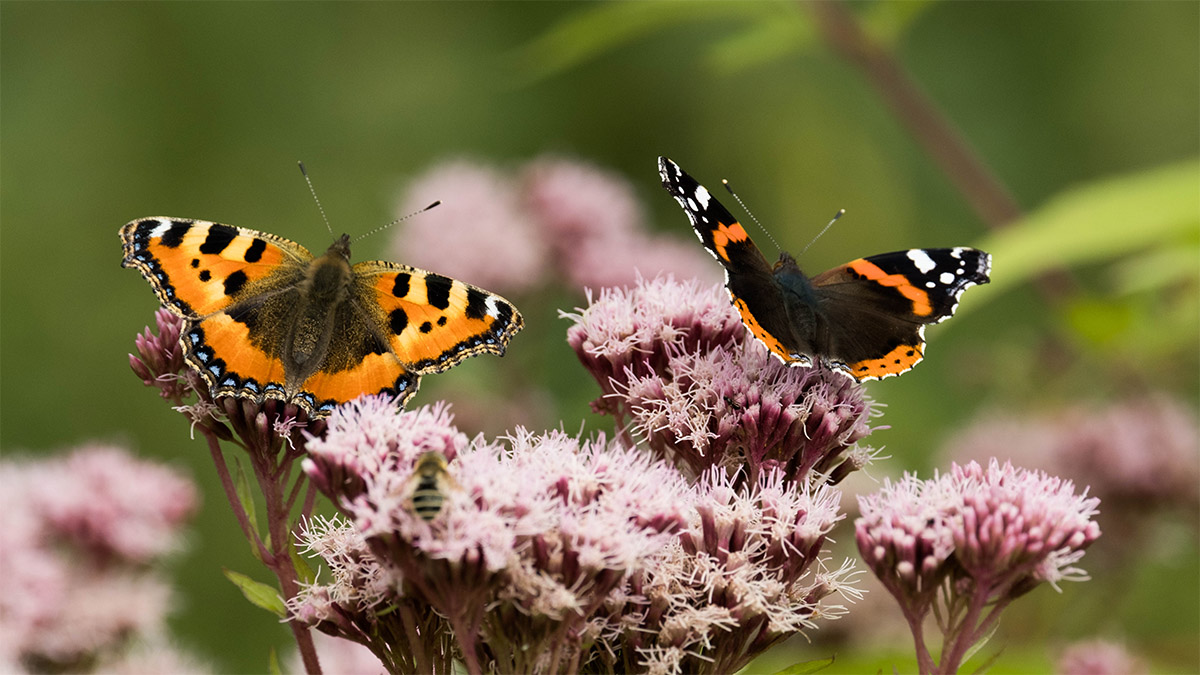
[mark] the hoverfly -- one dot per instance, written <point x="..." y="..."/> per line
<point x="429" y="485"/>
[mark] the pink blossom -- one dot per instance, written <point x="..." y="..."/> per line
<point x="1099" y="657"/>
<point x="1136" y="455"/>
<point x="547" y="525"/>
<point x="675" y="362"/>
<point x="746" y="573"/>
<point x="480" y="233"/>
<point x="968" y="543"/>
<point x="102" y="499"/>
<point x="580" y="551"/>
<point x="596" y="227"/>
<point x="1014" y="528"/>
<point x="77" y="534"/>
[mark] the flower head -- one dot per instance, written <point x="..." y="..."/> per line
<point x="1099" y="657"/>
<point x="592" y="218"/>
<point x="77" y="536"/>
<point x="480" y="233"/>
<point x="1136" y="455"/>
<point x="544" y="527"/>
<point x="675" y="360"/>
<point x="971" y="539"/>
<point x="1015" y="528"/>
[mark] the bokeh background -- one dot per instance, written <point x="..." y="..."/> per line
<point x="1086" y="114"/>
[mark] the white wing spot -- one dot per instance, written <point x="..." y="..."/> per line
<point x="946" y="278"/>
<point x="922" y="260"/>
<point x="161" y="228"/>
<point x="702" y="196"/>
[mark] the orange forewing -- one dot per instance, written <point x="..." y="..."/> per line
<point x="198" y="256"/>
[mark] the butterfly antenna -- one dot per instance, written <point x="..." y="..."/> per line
<point x="320" y="208"/>
<point x="398" y="220"/>
<point x="839" y="214"/>
<point x="765" y="231"/>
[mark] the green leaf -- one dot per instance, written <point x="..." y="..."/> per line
<point x="246" y="498"/>
<point x="304" y="571"/>
<point x="273" y="663"/>
<point x="763" y="41"/>
<point x="887" y="22"/>
<point x="807" y="667"/>
<point x="600" y="28"/>
<point x="1095" y="222"/>
<point x="259" y="594"/>
<point x="973" y="649"/>
<point x="1100" y="321"/>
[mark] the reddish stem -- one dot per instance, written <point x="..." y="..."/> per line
<point x="279" y="529"/>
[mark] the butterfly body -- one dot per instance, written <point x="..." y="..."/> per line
<point x="267" y="320"/>
<point x="864" y="319"/>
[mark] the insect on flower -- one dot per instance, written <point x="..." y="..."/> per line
<point x="428" y="486"/>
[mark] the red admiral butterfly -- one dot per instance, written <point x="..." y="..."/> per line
<point x="865" y="319"/>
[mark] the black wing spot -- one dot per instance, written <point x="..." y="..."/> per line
<point x="205" y="276"/>
<point x="401" y="287"/>
<point x="219" y="237"/>
<point x="476" y="304"/>
<point x="441" y="321"/>
<point x="173" y="237"/>
<point x="398" y="321"/>
<point x="254" y="253"/>
<point x="437" y="290"/>
<point x="426" y="327"/>
<point x="235" y="282"/>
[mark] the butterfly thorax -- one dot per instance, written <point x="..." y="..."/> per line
<point x="325" y="287"/>
<point x="800" y="304"/>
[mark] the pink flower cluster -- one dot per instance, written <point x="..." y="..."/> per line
<point x="77" y="536"/>
<point x="1138" y="455"/>
<point x="674" y="361"/>
<point x="552" y="554"/>
<point x="551" y="219"/>
<point x="967" y="543"/>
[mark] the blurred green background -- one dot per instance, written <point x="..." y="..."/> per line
<point x="1089" y="114"/>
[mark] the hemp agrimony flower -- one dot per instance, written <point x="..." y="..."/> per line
<point x="674" y="361"/>
<point x="967" y="543"/>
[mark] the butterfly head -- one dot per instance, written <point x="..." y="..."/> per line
<point x="340" y="248"/>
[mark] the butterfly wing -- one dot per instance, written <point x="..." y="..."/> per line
<point x="400" y="323"/>
<point x="876" y="308"/>
<point x="198" y="267"/>
<point x="748" y="276"/>
<point x="232" y="284"/>
<point x="434" y="322"/>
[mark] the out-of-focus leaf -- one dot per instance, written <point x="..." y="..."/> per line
<point x="763" y="41"/>
<point x="259" y="594"/>
<point x="273" y="663"/>
<point x="807" y="667"/>
<point x="599" y="28"/>
<point x="1161" y="268"/>
<point x="246" y="498"/>
<point x="1099" y="321"/>
<point x="1095" y="222"/>
<point x="304" y="571"/>
<point x="886" y="22"/>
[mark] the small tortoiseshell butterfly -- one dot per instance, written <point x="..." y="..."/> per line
<point x="267" y="320"/>
<point x="865" y="319"/>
